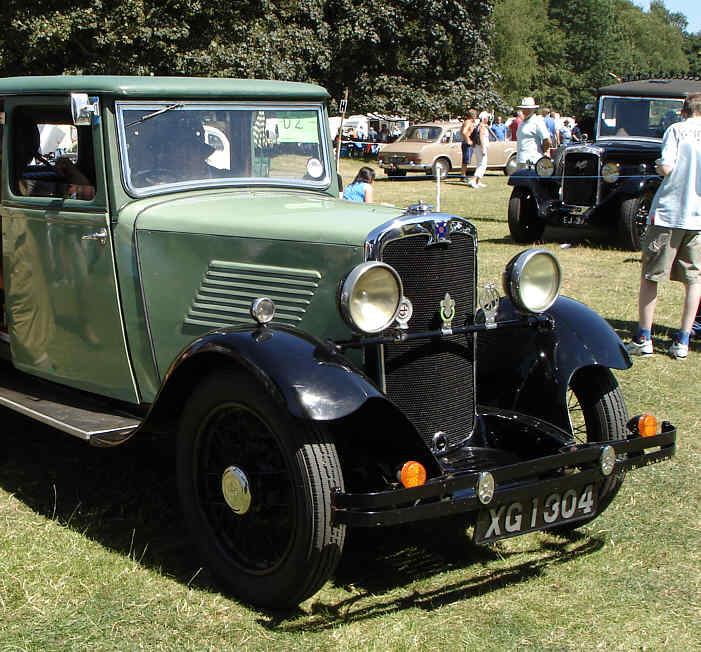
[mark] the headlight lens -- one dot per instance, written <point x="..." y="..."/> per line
<point x="545" y="167"/>
<point x="532" y="280"/>
<point x="370" y="297"/>
<point x="610" y="172"/>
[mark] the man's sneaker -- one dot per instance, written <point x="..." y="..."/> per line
<point x="639" y="347"/>
<point x="472" y="184"/>
<point x="678" y="350"/>
<point x="481" y="185"/>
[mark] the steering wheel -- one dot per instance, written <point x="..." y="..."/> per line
<point x="153" y="177"/>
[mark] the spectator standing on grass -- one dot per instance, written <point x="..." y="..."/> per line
<point x="480" y="140"/>
<point x="468" y="126"/>
<point x="551" y="126"/>
<point x="361" y="188"/>
<point x="383" y="136"/>
<point x="499" y="129"/>
<point x="671" y="245"/>
<point x="565" y="132"/>
<point x="517" y="120"/>
<point x="533" y="139"/>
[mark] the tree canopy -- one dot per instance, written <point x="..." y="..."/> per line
<point x="419" y="58"/>
<point x="415" y="57"/>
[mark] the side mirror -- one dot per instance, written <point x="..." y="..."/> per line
<point x="84" y="108"/>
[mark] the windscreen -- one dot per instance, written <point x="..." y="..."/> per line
<point x="420" y="134"/>
<point x="637" y="117"/>
<point x="169" y="145"/>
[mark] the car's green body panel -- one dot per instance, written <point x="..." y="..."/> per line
<point x="179" y="236"/>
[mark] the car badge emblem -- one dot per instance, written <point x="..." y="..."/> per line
<point x="447" y="313"/>
<point x="404" y="313"/>
<point x="580" y="165"/>
<point x="440" y="233"/>
<point x="489" y="302"/>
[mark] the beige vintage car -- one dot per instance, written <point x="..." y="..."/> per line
<point x="435" y="148"/>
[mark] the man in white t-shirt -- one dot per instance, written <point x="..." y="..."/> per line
<point x="532" y="135"/>
<point x="671" y="246"/>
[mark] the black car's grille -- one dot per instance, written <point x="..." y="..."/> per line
<point x="432" y="381"/>
<point x="581" y="181"/>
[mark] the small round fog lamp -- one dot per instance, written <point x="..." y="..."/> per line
<point x="545" y="167"/>
<point x="263" y="310"/>
<point x="607" y="460"/>
<point x="485" y="487"/>
<point x="610" y="172"/>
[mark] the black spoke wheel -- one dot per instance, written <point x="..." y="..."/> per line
<point x="632" y="220"/>
<point x="597" y="412"/>
<point x="524" y="224"/>
<point x="255" y="485"/>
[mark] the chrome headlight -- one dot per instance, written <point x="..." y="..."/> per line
<point x="545" y="167"/>
<point x="532" y="280"/>
<point x="610" y="172"/>
<point x="370" y="297"/>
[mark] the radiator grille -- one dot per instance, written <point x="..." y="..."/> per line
<point x="433" y="381"/>
<point x="227" y="290"/>
<point x="581" y="191"/>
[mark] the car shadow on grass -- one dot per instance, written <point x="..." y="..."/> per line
<point x="124" y="498"/>
<point x="377" y="569"/>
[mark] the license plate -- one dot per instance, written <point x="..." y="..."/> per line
<point x="535" y="513"/>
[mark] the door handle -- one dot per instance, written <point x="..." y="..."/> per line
<point x="100" y="236"/>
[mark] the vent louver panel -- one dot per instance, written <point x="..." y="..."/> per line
<point x="227" y="290"/>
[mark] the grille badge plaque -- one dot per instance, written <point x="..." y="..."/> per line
<point x="447" y="314"/>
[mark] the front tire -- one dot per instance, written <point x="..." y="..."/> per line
<point x="632" y="219"/>
<point x="524" y="224"/>
<point x="274" y="545"/>
<point x="597" y="412"/>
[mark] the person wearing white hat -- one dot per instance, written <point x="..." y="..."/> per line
<point x="533" y="138"/>
<point x="480" y="138"/>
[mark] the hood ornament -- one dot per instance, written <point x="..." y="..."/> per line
<point x="447" y="314"/>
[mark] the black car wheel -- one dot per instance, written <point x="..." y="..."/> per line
<point x="524" y="224"/>
<point x="597" y="412"/>
<point x="255" y="486"/>
<point x="441" y="168"/>
<point x="632" y="220"/>
<point x="511" y="166"/>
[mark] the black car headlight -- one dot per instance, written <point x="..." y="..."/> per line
<point x="532" y="280"/>
<point x="370" y="297"/>
<point x="545" y="167"/>
<point x="610" y="172"/>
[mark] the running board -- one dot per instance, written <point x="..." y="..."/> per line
<point x="72" y="411"/>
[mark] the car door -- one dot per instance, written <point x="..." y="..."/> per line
<point x="62" y="304"/>
<point x="456" y="149"/>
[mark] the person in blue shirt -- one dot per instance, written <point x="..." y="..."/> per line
<point x="499" y="129"/>
<point x="550" y="124"/>
<point x="361" y="188"/>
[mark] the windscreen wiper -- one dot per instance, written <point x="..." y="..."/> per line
<point x="148" y="116"/>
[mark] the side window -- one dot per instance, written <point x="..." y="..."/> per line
<point x="50" y="156"/>
<point x="457" y="136"/>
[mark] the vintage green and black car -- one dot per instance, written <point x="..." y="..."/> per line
<point x="607" y="183"/>
<point x="176" y="260"/>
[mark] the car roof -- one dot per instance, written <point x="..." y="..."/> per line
<point x="654" y="88"/>
<point x="127" y="87"/>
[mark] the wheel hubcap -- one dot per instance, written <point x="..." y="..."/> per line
<point x="236" y="490"/>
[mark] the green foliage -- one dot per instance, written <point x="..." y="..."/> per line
<point x="561" y="51"/>
<point x="415" y="57"/>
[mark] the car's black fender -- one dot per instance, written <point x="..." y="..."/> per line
<point x="304" y="375"/>
<point x="529" y="371"/>
<point x="636" y="186"/>
<point x="542" y="189"/>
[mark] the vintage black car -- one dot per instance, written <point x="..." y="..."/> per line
<point x="609" y="182"/>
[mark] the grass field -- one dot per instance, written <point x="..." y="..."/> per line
<point x="93" y="554"/>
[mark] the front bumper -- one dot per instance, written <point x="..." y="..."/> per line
<point x="456" y="493"/>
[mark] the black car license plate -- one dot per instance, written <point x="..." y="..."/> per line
<point x="535" y="513"/>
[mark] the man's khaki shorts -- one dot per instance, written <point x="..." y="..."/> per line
<point x="671" y="254"/>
